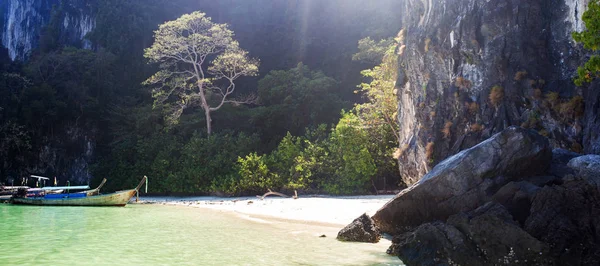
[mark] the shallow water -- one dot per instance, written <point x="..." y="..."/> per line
<point x="169" y="235"/>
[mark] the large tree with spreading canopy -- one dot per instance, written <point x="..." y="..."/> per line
<point x="199" y="64"/>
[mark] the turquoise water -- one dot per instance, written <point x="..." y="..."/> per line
<point x="169" y="235"/>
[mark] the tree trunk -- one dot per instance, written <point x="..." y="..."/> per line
<point x="208" y="121"/>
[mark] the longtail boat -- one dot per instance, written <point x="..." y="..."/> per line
<point x="119" y="198"/>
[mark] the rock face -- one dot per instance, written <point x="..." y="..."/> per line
<point x="469" y="69"/>
<point x="591" y="132"/>
<point x="22" y="22"/>
<point x="362" y="229"/>
<point x="466" y="180"/>
<point x="486" y="236"/>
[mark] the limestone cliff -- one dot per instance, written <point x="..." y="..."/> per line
<point x="22" y="22"/>
<point x="470" y="68"/>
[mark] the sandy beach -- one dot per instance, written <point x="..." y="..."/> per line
<point x="337" y="211"/>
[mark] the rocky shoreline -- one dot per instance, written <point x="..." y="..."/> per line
<point x="511" y="200"/>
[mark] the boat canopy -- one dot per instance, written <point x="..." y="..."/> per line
<point x="13" y="187"/>
<point x="40" y="177"/>
<point x="63" y="188"/>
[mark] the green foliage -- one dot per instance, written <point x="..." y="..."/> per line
<point x="378" y="116"/>
<point x="591" y="40"/>
<point x="296" y="99"/>
<point x="371" y="51"/>
<point x="254" y="174"/>
<point x="354" y="165"/>
<point x="339" y="163"/>
<point x="199" y="165"/>
<point x="301" y="160"/>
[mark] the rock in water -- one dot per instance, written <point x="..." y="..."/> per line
<point x="486" y="236"/>
<point x="466" y="180"/>
<point x="362" y="229"/>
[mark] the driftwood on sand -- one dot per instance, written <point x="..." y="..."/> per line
<point x="277" y="194"/>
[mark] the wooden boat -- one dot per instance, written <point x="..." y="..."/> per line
<point x="119" y="198"/>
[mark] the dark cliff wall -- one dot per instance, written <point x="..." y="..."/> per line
<point x="469" y="69"/>
<point x="69" y="149"/>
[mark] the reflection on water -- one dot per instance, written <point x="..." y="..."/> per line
<point x="160" y="235"/>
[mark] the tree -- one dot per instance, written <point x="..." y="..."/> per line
<point x="378" y="114"/>
<point x="590" y="38"/>
<point x="295" y="99"/>
<point x="371" y="51"/>
<point x="199" y="62"/>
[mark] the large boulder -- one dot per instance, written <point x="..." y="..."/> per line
<point x="516" y="197"/>
<point x="567" y="217"/>
<point x="587" y="167"/>
<point x="466" y="180"/>
<point x="434" y="243"/>
<point x="486" y="236"/>
<point x="362" y="229"/>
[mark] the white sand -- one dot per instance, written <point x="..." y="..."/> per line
<point x="310" y="209"/>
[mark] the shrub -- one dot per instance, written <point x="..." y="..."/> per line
<point x="496" y="95"/>
<point x="537" y="94"/>
<point x="397" y="153"/>
<point x="447" y="129"/>
<point x="401" y="36"/>
<point x="520" y="75"/>
<point x="541" y="82"/>
<point x="532" y="121"/>
<point x="463" y="83"/>
<point x="429" y="150"/>
<point x="576" y="147"/>
<point x="401" y="150"/>
<point x="572" y="109"/>
<point x="553" y="99"/>
<point x="473" y="108"/>
<point x="476" y="127"/>
<point x="355" y="164"/>
<point x="578" y="105"/>
<point x="254" y="174"/>
<point x="532" y="82"/>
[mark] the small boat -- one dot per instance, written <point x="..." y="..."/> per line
<point x="6" y="192"/>
<point x="119" y="198"/>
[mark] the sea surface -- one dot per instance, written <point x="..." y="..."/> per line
<point x="170" y="235"/>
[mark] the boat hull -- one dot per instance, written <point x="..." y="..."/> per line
<point x="120" y="198"/>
